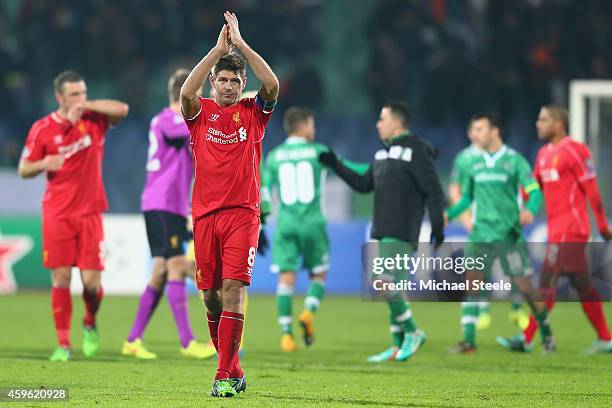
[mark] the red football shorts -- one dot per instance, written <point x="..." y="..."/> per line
<point x="225" y="247"/>
<point x="565" y="257"/>
<point x="73" y="241"/>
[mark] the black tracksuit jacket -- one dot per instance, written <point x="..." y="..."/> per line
<point x="404" y="182"/>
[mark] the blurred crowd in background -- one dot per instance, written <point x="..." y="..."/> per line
<point x="342" y="58"/>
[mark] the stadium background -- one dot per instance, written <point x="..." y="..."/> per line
<point x="448" y="59"/>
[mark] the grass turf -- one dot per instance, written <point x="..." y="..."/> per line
<point x="331" y="373"/>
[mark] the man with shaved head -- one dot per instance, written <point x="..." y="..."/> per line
<point x="565" y="170"/>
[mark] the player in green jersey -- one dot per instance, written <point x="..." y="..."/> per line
<point x="293" y="169"/>
<point x="460" y="168"/>
<point x="458" y="172"/>
<point x="492" y="183"/>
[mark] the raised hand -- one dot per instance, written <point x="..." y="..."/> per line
<point x="75" y="112"/>
<point x="234" y="32"/>
<point x="222" y="42"/>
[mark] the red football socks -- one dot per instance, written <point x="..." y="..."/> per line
<point x="230" y="333"/>
<point x="213" y="329"/>
<point x="61" y="304"/>
<point x="594" y="311"/>
<point x="92" y="304"/>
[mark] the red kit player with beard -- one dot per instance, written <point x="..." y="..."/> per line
<point x="226" y="135"/>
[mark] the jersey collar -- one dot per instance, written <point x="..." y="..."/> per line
<point x="59" y="118"/>
<point x="561" y="143"/>
<point x="397" y="138"/>
<point x="296" y="140"/>
<point x="491" y="159"/>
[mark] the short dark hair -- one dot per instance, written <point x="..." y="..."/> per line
<point x="558" y="113"/>
<point x="175" y="83"/>
<point x="65" y="76"/>
<point x="400" y="110"/>
<point x="232" y="62"/>
<point x="294" y="116"/>
<point x="493" y="118"/>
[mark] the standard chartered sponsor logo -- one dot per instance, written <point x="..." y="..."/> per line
<point x="71" y="149"/>
<point x="217" y="136"/>
<point x="549" y="175"/>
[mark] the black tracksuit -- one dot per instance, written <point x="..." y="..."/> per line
<point x="404" y="180"/>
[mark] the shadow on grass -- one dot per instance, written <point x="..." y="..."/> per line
<point x="351" y="402"/>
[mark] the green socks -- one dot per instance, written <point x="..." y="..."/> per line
<point x="397" y="334"/>
<point x="542" y="319"/>
<point x="314" y="295"/>
<point x="283" y="305"/>
<point x="284" y="294"/>
<point x="469" y="318"/>
<point x="401" y="313"/>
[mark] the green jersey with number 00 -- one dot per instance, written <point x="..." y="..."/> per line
<point x="293" y="169"/>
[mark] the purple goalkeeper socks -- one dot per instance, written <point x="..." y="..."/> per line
<point x="177" y="297"/>
<point x="148" y="303"/>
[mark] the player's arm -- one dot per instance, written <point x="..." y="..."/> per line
<point x="590" y="187"/>
<point x="426" y="177"/>
<point x="28" y="169"/>
<point x="532" y="188"/>
<point x="190" y="104"/>
<point x="584" y="169"/>
<point x="263" y="72"/>
<point x="113" y="109"/>
<point x="361" y="182"/>
<point x="175" y="135"/>
<point x="592" y="192"/>
<point x="533" y="204"/>
<point x="454" y="195"/>
<point x="454" y="191"/>
<point x="34" y="158"/>
<point x="360" y="168"/>
<point x="464" y="202"/>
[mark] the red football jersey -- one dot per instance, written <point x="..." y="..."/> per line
<point x="226" y="146"/>
<point x="561" y="170"/>
<point x="77" y="188"/>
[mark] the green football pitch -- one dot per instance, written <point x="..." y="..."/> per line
<point x="333" y="372"/>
